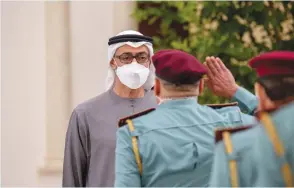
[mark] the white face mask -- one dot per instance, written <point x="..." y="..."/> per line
<point x="132" y="75"/>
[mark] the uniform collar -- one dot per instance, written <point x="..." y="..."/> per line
<point x="277" y="112"/>
<point x="284" y="109"/>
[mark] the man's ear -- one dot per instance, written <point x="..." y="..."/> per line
<point x="157" y="87"/>
<point x="201" y="86"/>
<point x="257" y="89"/>
<point x="264" y="102"/>
<point x="113" y="64"/>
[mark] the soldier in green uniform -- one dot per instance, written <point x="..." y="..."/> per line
<point x="262" y="154"/>
<point x="173" y="144"/>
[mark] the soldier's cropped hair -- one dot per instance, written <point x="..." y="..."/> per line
<point x="278" y="87"/>
<point x="179" y="87"/>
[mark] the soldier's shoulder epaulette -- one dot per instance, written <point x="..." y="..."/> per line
<point x="217" y="106"/>
<point x="219" y="132"/>
<point x="123" y="122"/>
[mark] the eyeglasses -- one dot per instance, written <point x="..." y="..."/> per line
<point x="127" y="58"/>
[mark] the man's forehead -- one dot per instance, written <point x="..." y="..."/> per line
<point x="127" y="48"/>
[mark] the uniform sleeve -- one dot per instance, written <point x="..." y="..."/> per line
<point x="75" y="160"/>
<point x="126" y="169"/>
<point x="247" y="101"/>
<point x="248" y="119"/>
<point x="220" y="172"/>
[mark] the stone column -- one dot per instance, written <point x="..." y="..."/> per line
<point x="57" y="83"/>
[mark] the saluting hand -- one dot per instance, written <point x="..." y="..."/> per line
<point x="220" y="79"/>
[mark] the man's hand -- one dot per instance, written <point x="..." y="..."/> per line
<point x="220" y="80"/>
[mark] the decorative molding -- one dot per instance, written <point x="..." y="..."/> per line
<point x="51" y="166"/>
<point x="57" y="85"/>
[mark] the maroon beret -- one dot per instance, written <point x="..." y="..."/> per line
<point x="273" y="63"/>
<point x="178" y="67"/>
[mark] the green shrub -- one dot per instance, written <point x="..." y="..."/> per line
<point x="234" y="31"/>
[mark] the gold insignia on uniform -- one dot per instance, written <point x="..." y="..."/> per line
<point x="217" y="106"/>
<point x="219" y="132"/>
<point x="123" y="121"/>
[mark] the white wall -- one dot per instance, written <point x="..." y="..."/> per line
<point x="0" y="93"/>
<point x="89" y="37"/>
<point x="53" y="53"/>
<point x="23" y="92"/>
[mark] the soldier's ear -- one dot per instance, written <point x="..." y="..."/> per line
<point x="257" y="89"/>
<point x="157" y="87"/>
<point x="264" y="102"/>
<point x="257" y="94"/>
<point x="201" y="86"/>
